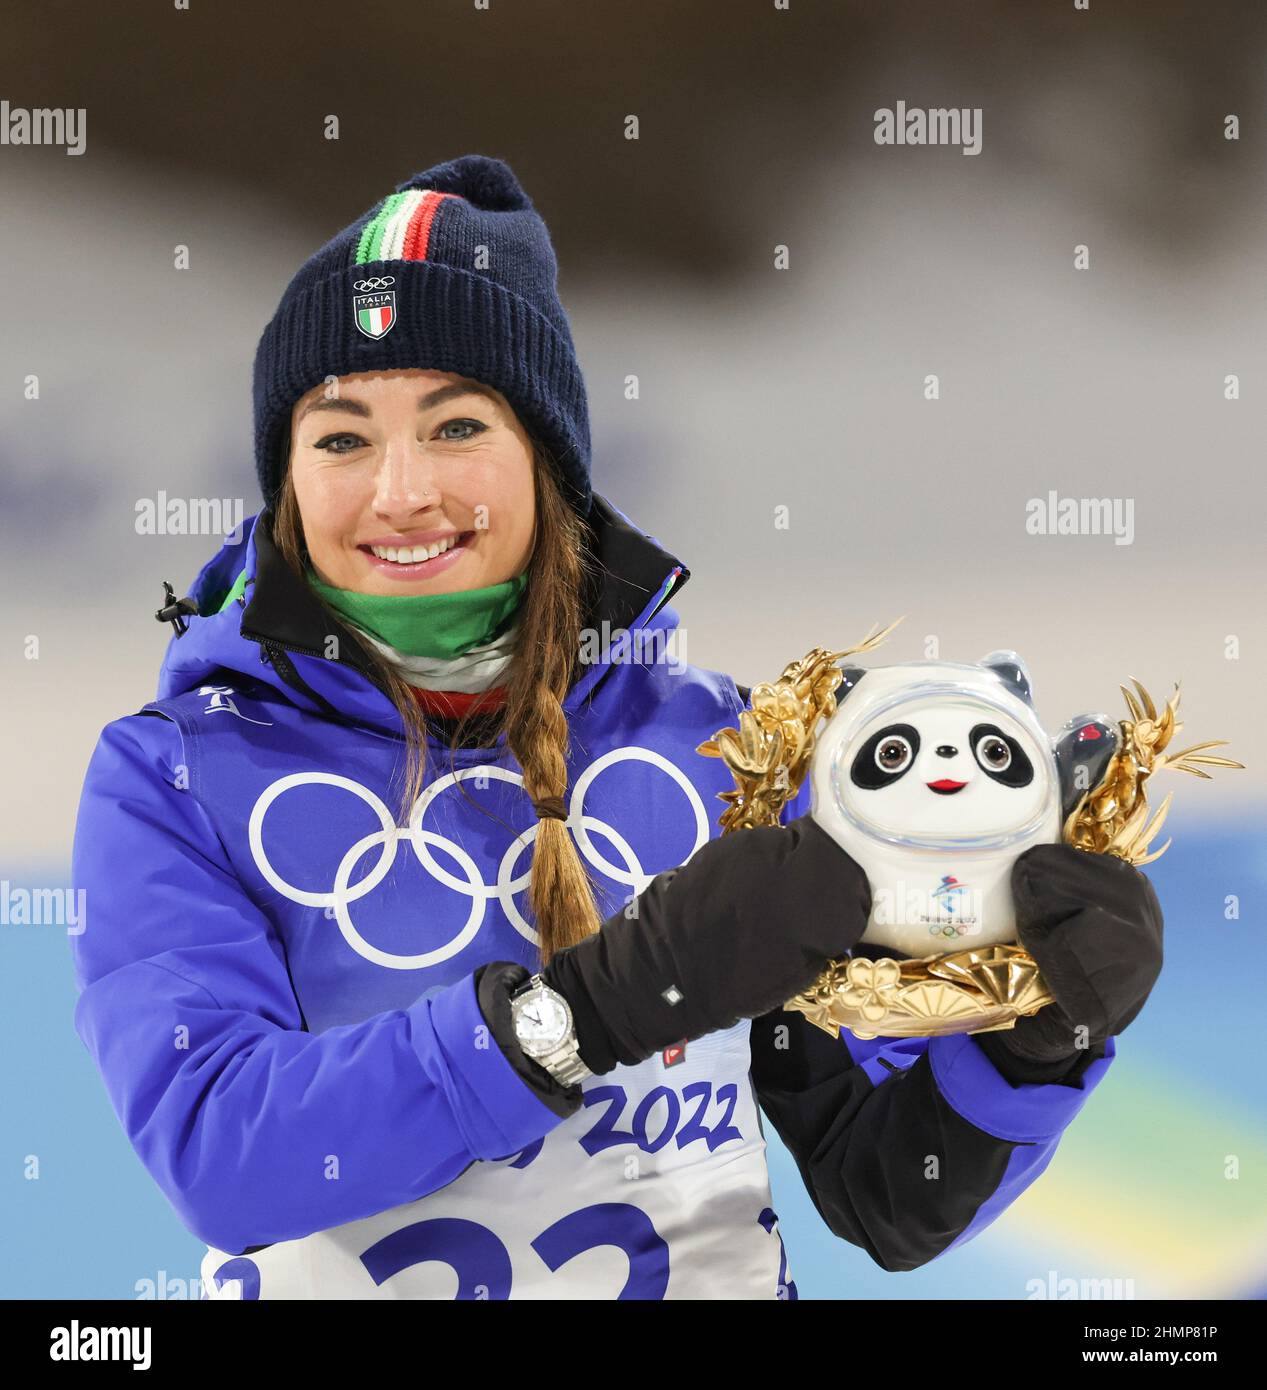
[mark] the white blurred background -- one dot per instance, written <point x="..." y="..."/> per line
<point x="759" y="388"/>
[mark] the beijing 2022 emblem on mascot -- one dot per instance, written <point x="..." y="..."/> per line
<point x="934" y="776"/>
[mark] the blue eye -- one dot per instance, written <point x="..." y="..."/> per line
<point x="457" y="439"/>
<point x="347" y="442"/>
<point x="329" y="441"/>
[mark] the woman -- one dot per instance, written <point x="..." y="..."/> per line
<point x="414" y="969"/>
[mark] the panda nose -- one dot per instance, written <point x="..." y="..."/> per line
<point x="946" y="750"/>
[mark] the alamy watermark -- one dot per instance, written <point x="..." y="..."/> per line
<point x="1054" y="515"/>
<point x="44" y="907"/>
<point x="44" y="125"/>
<point x="1060" y="1286"/>
<point x="169" y="1288"/>
<point x="76" y="1342"/>
<point x="190" y="516"/>
<point x="915" y="125"/>
<point x="950" y="910"/>
<point x="642" y="647"/>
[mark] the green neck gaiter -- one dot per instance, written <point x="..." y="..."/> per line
<point x="442" y="626"/>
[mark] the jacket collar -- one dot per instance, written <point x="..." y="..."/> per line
<point x="633" y="579"/>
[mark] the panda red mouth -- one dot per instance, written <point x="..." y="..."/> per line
<point x="945" y="786"/>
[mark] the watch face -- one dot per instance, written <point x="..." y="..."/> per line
<point x="541" y="1021"/>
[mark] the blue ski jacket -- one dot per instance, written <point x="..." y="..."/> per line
<point x="279" y="985"/>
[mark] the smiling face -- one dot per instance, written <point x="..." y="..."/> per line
<point x="949" y="768"/>
<point x="412" y="482"/>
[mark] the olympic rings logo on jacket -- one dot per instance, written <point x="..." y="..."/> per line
<point x="338" y="899"/>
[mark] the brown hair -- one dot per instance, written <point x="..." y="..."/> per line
<point x="547" y="651"/>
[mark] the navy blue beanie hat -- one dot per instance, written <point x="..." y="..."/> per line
<point x="453" y="272"/>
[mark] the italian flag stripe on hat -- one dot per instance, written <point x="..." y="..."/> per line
<point x="401" y="229"/>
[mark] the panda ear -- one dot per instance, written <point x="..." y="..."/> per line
<point x="1084" y="748"/>
<point x="849" y="677"/>
<point x="1012" y="671"/>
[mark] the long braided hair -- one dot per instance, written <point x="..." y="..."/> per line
<point x="547" y="652"/>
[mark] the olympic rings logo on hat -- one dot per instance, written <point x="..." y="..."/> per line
<point x="375" y="282"/>
<point x="344" y="892"/>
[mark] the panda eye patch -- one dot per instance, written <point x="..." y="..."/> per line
<point x="885" y="756"/>
<point x="1000" y="756"/>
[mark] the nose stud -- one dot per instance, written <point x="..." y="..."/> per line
<point x="946" y="750"/>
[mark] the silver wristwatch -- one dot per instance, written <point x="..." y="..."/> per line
<point x="545" y="1030"/>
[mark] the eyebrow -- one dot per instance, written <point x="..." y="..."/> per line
<point x="433" y="398"/>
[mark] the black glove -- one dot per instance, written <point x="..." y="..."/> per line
<point x="750" y="921"/>
<point x="1093" y="924"/>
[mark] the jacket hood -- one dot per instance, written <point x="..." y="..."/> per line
<point x="275" y="630"/>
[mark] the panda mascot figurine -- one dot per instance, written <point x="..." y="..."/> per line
<point x="934" y="776"/>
